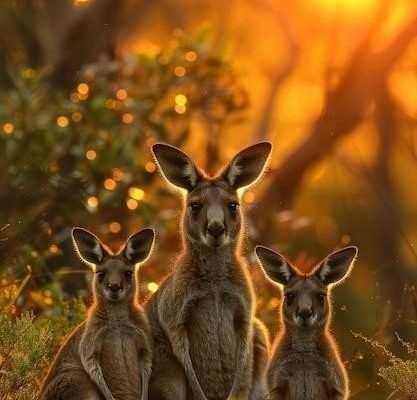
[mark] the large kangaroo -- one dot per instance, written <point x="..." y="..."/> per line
<point x="207" y="343"/>
<point x="107" y="357"/>
<point x="306" y="364"/>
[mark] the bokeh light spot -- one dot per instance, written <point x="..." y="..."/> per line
<point x="8" y="128"/>
<point x="136" y="193"/>
<point x="152" y="287"/>
<point x="115" y="227"/>
<point x="62" y="121"/>
<point x="132" y="204"/>
<point x="91" y="155"/>
<point x="92" y="201"/>
<point x="109" y="184"/>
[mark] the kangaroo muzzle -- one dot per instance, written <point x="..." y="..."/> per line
<point x="114" y="287"/>
<point x="216" y="230"/>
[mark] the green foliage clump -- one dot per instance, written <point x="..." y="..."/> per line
<point x="24" y="350"/>
<point x="83" y="156"/>
<point x="28" y="343"/>
<point x="401" y="375"/>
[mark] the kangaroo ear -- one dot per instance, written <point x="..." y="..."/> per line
<point x="274" y="265"/>
<point x="139" y="246"/>
<point x="88" y="246"/>
<point x="248" y="165"/>
<point x="336" y="266"/>
<point x="176" y="167"/>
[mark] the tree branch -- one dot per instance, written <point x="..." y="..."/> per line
<point x="281" y="73"/>
<point x="346" y="106"/>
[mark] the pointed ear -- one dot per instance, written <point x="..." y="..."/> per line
<point x="176" y="167"/>
<point x="139" y="246"/>
<point x="336" y="266"/>
<point x="88" y="246"/>
<point x="247" y="166"/>
<point x="274" y="265"/>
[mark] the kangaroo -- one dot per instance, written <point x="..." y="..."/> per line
<point x="207" y="343"/>
<point x="109" y="356"/>
<point x="305" y="364"/>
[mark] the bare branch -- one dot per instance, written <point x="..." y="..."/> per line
<point x="345" y="108"/>
<point x="14" y="306"/>
<point x="280" y="73"/>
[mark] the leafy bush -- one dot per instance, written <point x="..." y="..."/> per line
<point x="28" y="344"/>
<point x="84" y="155"/>
<point x="24" y="351"/>
<point x="400" y="375"/>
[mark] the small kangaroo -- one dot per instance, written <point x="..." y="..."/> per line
<point x="207" y="343"/>
<point x="108" y="356"/>
<point x="305" y="364"/>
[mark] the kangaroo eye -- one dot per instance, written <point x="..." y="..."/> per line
<point x="233" y="206"/>
<point x="289" y="296"/>
<point x="195" y="207"/>
<point x="321" y="297"/>
<point x="100" y="275"/>
<point x="128" y="275"/>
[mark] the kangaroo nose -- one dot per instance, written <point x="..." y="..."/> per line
<point x="305" y="314"/>
<point x="215" y="230"/>
<point x="114" y="287"/>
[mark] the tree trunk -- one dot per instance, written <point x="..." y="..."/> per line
<point x="345" y="108"/>
<point x="391" y="275"/>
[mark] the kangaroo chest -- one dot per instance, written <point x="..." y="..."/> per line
<point x="120" y="362"/>
<point x="301" y="376"/>
<point x="213" y="320"/>
<point x="213" y="316"/>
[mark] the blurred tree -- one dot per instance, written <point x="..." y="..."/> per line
<point x="277" y="75"/>
<point x="67" y="35"/>
<point x="387" y="223"/>
<point x="77" y="117"/>
<point x="84" y="157"/>
<point x="346" y="106"/>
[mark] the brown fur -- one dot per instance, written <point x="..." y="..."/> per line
<point x="108" y="356"/>
<point x="207" y="342"/>
<point x="306" y="363"/>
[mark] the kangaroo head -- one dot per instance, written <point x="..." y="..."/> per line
<point x="212" y="215"/>
<point x="306" y="301"/>
<point x="114" y="273"/>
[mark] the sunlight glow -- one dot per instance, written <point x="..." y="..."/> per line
<point x="180" y="100"/>
<point x="109" y="184"/>
<point x="153" y="287"/>
<point x="136" y="193"/>
<point x="115" y="227"/>
<point x="92" y="201"/>
<point x="8" y="128"/>
<point x="62" y="121"/>
<point x="191" y="56"/>
<point x="91" y="155"/>
<point x="83" y="88"/>
<point x="353" y="7"/>
<point x="150" y="166"/>
<point x="76" y="116"/>
<point x="121" y="94"/>
<point x="179" y="70"/>
<point x="131" y="204"/>
<point x="127" y="118"/>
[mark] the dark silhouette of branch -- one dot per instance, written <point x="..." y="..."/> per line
<point x="281" y="73"/>
<point x="15" y="304"/>
<point x="346" y="106"/>
<point x="391" y="277"/>
<point x="94" y="34"/>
